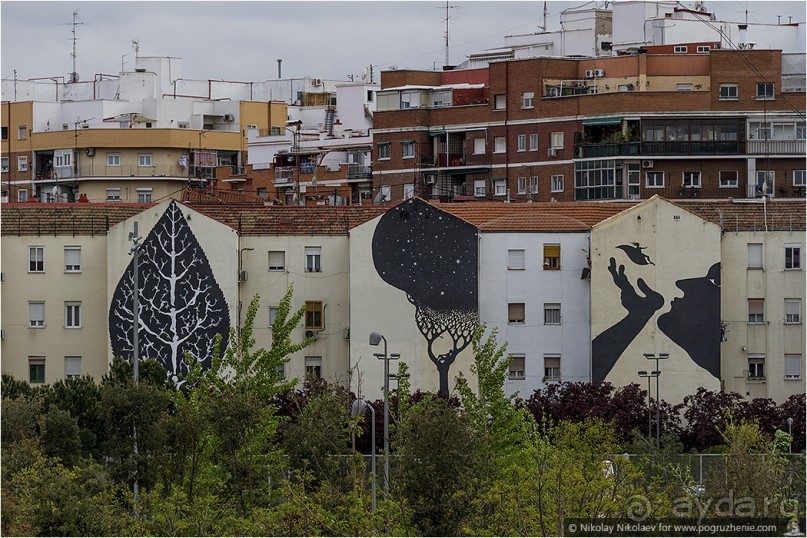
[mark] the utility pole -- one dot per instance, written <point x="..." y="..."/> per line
<point x="135" y="251"/>
<point x="74" y="74"/>
<point x="448" y="7"/>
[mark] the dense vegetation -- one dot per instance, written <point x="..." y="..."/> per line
<point x="239" y="451"/>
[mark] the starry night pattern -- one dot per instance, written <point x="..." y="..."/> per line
<point x="432" y="257"/>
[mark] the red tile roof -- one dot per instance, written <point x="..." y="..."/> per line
<point x="64" y="219"/>
<point x="750" y="215"/>
<point x="291" y="220"/>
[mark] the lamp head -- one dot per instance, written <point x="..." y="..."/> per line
<point x="358" y="408"/>
<point x="649" y="356"/>
<point x="375" y="338"/>
<point x="643" y="373"/>
<point x="394" y="356"/>
<point x="655" y="373"/>
<point x="663" y="355"/>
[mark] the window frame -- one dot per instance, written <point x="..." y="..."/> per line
<point x="765" y="96"/>
<point x="4" y="165"/>
<point x="276" y="268"/>
<point x="680" y="49"/>
<point x="35" y="322"/>
<point x="556" y="139"/>
<point x="527" y="100"/>
<point x="72" y="315"/>
<point x="313" y="365"/>
<point x="533" y="142"/>
<point x="517" y="359"/>
<point x="72" y="359"/>
<point x="36" y="364"/>
<point x="22" y="132"/>
<point x="758" y="368"/>
<point x="514" y="264"/>
<point x="802" y="181"/>
<point x="37" y="263"/>
<point x="513" y="310"/>
<point x="654" y="184"/>
<point x="499" y="187"/>
<point x="792" y="356"/>
<point x="548" y="377"/>
<point x="22" y="163"/>
<point x="313" y="259"/>
<point x="145" y="160"/>
<point x="112" y="190"/>
<point x="793" y="252"/>
<point x="313" y="316"/>
<point x="72" y="268"/>
<point x="500" y="101"/>
<point x="384" y="150"/>
<point x="479" y="141"/>
<point x="728" y="96"/>
<point x="480" y="188"/>
<point x="796" y="319"/>
<point x="551" y="313"/>
<point x="144" y="195"/>
<point x="272" y="312"/>
<point x="533" y="184"/>
<point x="499" y="144"/>
<point x="521" y="185"/>
<point x="408" y="149"/>
<point x="557" y="183"/>
<point x="756" y="311"/>
<point x="727" y="183"/>
<point x="703" y="49"/>
<point x="692" y="174"/>
<point x="521" y="142"/>
<point x="551" y="263"/>
<point x="751" y="248"/>
<point x="22" y="195"/>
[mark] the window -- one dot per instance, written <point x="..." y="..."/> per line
<point x="186" y="125"/>
<point x="144" y="159"/>
<point x="407" y="149"/>
<point x="534" y="185"/>
<point x="4" y="131"/>
<point x="36" y="314"/>
<point x="522" y="142"/>
<point x="36" y="369"/>
<point x="386" y="195"/>
<point x="479" y="146"/>
<point x="799" y="178"/>
<point x="22" y="163"/>
<point x="551" y="313"/>
<point x="408" y="191"/>
<point x="113" y="195"/>
<point x="499" y="144"/>
<point x="551" y="257"/>
<point x="313" y="259"/>
<point x="765" y="181"/>
<point x="756" y="367"/>
<point x="499" y="187"/>
<point x="4" y="164"/>
<point x="765" y="90"/>
<point x="72" y="259"/>
<point x="72" y="367"/>
<point x="313" y="367"/>
<point x="684" y="87"/>
<point x="72" y="315"/>
<point x="272" y="315"/>
<point x="36" y="259"/>
<point x="313" y="314"/>
<point x="691" y="180"/>
<point x="528" y="100"/>
<point x="704" y="48"/>
<point x="62" y="158"/>
<point x="516" y="259"/>
<point x="479" y="187"/>
<point x="728" y="178"/>
<point x="654" y="180"/>
<point x="755" y="255"/>
<point x="756" y="311"/>
<point x="680" y="49"/>
<point x="22" y="132"/>
<point x="792" y="257"/>
<point x="277" y="260"/>
<point x="383" y="151"/>
<point x="556" y="140"/>
<point x="499" y="102"/>
<point x="557" y="183"/>
<point x="792" y="311"/>
<point x="516" y="369"/>
<point x="728" y="92"/>
<point x="522" y="185"/>
<point x="262" y="192"/>
<point x="515" y="313"/>
<point x="551" y="368"/>
<point x="144" y="195"/>
<point x="533" y="141"/>
<point x="792" y="366"/>
<point x="22" y="195"/>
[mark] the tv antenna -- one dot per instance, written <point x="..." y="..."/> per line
<point x="74" y="74"/>
<point x="448" y="16"/>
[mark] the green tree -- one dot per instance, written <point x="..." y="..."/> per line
<point x="60" y="436"/>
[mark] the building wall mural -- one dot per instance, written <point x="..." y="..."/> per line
<point x="651" y="296"/>
<point x="432" y="257"/>
<point x="182" y="306"/>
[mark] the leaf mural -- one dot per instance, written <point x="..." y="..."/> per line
<point x="182" y="308"/>
<point x="432" y="257"/>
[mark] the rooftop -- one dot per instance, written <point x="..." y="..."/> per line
<point x="65" y="219"/>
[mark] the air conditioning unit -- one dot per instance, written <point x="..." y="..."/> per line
<point x="552" y="152"/>
<point x="229" y="118"/>
<point x="65" y="126"/>
<point x="430" y="180"/>
<point x="310" y="333"/>
<point x="317" y="82"/>
<point x="647" y="163"/>
<point x="599" y="72"/>
<point x="89" y="152"/>
<point x="243" y="276"/>
<point x="589" y="73"/>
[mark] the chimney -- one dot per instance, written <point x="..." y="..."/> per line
<point x="279" y="61"/>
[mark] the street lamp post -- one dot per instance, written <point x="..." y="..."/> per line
<point x="135" y="251"/>
<point x="375" y="339"/>
<point x="358" y="409"/>
<point x="790" y="433"/>
<point x="643" y="373"/>
<point x="651" y="357"/>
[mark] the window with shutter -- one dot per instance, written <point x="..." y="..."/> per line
<point x="516" y="370"/>
<point x="792" y="311"/>
<point x="72" y="367"/>
<point x="551" y="257"/>
<point x="515" y="313"/>
<point x="72" y="259"/>
<point x="792" y="366"/>
<point x="754" y="255"/>
<point x="277" y="260"/>
<point x="516" y="259"/>
<point x="551" y="368"/>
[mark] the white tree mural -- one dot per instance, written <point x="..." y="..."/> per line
<point x="182" y="308"/>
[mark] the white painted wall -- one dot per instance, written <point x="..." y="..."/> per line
<point x="534" y="286"/>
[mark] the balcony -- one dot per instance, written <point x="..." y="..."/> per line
<point x="284" y="174"/>
<point x="711" y="147"/>
<point x="358" y="171"/>
<point x="586" y="151"/>
<point x="91" y="171"/>
<point x="775" y="147"/>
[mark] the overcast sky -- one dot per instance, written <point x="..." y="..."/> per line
<point x="242" y="40"/>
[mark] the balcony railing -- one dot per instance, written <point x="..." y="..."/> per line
<point x="607" y="150"/>
<point x="284" y="172"/>
<point x="358" y="171"/>
<point x="775" y="147"/>
<point x="91" y="170"/>
<point x="710" y="147"/>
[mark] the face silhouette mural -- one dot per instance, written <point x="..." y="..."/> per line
<point x="182" y="308"/>
<point x="693" y="321"/>
<point x="432" y="257"/>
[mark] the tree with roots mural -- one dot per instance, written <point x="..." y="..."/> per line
<point x="432" y="257"/>
<point x="182" y="308"/>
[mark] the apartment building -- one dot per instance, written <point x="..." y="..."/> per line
<point x="683" y="121"/>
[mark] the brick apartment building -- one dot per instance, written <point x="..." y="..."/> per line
<point x="680" y="121"/>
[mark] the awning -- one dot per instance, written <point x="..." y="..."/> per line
<point x="602" y="121"/>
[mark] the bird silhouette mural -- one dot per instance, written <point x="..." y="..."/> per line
<point x="634" y="252"/>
